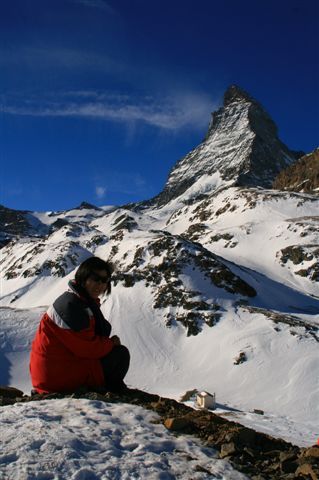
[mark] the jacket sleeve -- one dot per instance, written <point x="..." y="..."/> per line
<point x="84" y="347"/>
<point x="83" y="344"/>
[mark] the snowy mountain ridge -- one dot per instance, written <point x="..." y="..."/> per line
<point x="216" y="268"/>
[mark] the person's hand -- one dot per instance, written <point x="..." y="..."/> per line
<point x="116" y="340"/>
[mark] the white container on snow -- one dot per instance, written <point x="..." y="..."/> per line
<point x="206" y="400"/>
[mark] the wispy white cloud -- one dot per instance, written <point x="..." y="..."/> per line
<point x="41" y="58"/>
<point x="100" y="192"/>
<point x="184" y="110"/>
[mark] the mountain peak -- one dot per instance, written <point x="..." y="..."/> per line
<point x="241" y="147"/>
<point x="87" y="206"/>
<point x="234" y="94"/>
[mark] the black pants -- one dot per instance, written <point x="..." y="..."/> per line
<point x="115" y="366"/>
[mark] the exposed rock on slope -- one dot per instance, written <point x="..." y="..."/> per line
<point x="301" y="176"/>
<point x="283" y="224"/>
<point x="241" y="143"/>
<point x="55" y="254"/>
<point x="164" y="263"/>
<point x="18" y="223"/>
<point x="306" y="256"/>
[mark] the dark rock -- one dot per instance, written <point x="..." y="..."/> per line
<point x="188" y="395"/>
<point x="311" y="452"/>
<point x="242" y="357"/>
<point x="297" y="254"/>
<point x="16" y="223"/>
<point x="227" y="449"/>
<point x="288" y="466"/>
<point x="301" y="176"/>
<point x="88" y="206"/>
<point x="242" y="437"/>
<point x="287" y="319"/>
<point x="125" y="222"/>
<point x="7" y="401"/>
<point x="288" y="455"/>
<point x="10" y="392"/>
<point x="177" y="424"/>
<point x="306" y="471"/>
<point x="59" y="223"/>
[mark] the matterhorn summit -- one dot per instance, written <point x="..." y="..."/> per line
<point x="242" y="145"/>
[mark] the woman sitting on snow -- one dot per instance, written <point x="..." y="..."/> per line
<point x="72" y="347"/>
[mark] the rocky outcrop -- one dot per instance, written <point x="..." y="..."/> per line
<point x="305" y="329"/>
<point x="161" y="263"/>
<point x="34" y="262"/>
<point x="125" y="222"/>
<point x="258" y="455"/>
<point x="301" y="176"/>
<point x="18" y="223"/>
<point x="304" y="256"/>
<point x="15" y="224"/>
<point x="242" y="144"/>
<point x="88" y="206"/>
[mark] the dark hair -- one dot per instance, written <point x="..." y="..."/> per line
<point x="91" y="265"/>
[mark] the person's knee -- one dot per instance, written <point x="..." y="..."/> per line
<point x="125" y="354"/>
<point x="122" y="352"/>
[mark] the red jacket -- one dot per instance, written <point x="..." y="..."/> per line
<point x="66" y="350"/>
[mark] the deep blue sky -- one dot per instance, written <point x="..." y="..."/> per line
<point x="99" y="99"/>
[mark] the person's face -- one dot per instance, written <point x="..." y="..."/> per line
<point x="97" y="283"/>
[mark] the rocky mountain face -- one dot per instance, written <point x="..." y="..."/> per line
<point x="242" y="144"/>
<point x="301" y="176"/>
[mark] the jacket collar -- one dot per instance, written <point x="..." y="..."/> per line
<point x="82" y="293"/>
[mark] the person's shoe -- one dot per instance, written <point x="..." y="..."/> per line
<point x="119" y="388"/>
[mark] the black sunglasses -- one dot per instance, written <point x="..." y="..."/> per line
<point x="99" y="278"/>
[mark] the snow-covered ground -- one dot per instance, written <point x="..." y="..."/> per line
<point x="91" y="440"/>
